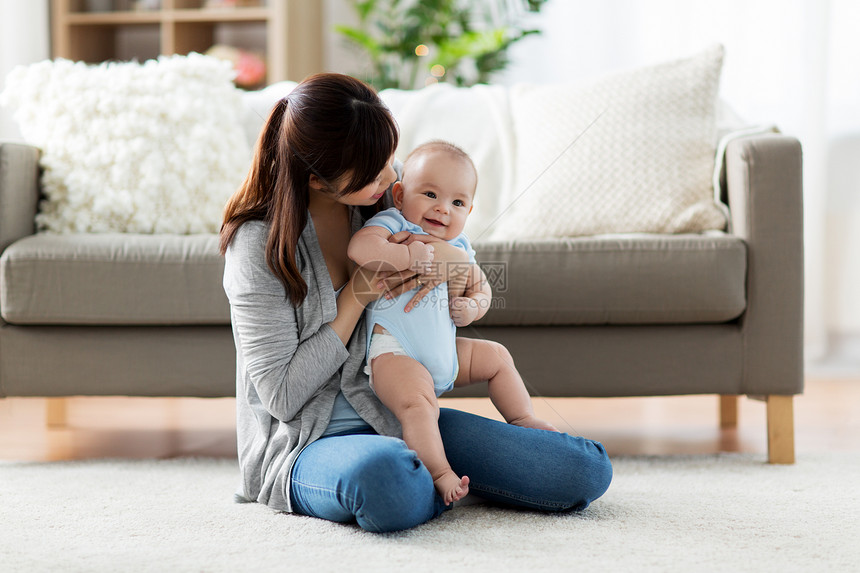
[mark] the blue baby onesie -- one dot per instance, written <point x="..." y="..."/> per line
<point x="426" y="332"/>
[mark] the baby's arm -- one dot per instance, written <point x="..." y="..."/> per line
<point x="475" y="300"/>
<point x="370" y="248"/>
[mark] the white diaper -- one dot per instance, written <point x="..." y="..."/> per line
<point x="382" y="344"/>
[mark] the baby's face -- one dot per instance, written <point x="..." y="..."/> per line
<point x="437" y="193"/>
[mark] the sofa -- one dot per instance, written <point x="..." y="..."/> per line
<point x="602" y="315"/>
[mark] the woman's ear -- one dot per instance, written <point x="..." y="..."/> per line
<point x="316" y="183"/>
<point x="397" y="194"/>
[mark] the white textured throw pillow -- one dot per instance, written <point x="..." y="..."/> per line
<point x="156" y="147"/>
<point x="632" y="152"/>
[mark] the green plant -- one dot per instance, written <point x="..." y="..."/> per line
<point x="412" y="42"/>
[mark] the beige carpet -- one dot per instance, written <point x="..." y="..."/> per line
<point x="694" y="513"/>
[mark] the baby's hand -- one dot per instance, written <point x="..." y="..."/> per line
<point x="420" y="257"/>
<point x="463" y="310"/>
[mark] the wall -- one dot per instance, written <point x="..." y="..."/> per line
<point x="24" y="38"/>
<point x="340" y="56"/>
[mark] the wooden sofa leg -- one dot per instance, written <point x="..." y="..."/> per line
<point x="56" y="413"/>
<point x="728" y="411"/>
<point x="780" y="429"/>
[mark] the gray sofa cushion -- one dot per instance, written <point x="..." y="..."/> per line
<point x="116" y="279"/>
<point x="113" y="279"/>
<point x="617" y="279"/>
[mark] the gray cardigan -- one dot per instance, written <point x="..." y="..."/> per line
<point x="290" y="363"/>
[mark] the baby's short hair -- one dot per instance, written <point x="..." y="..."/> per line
<point x="444" y="146"/>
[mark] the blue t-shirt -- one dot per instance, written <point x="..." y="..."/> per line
<point x="426" y="332"/>
<point x="344" y="418"/>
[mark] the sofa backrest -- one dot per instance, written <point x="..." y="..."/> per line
<point x="479" y="119"/>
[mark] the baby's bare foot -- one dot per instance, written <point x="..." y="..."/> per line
<point x="451" y="487"/>
<point x="533" y="422"/>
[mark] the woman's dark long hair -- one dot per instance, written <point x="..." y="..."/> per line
<point x="332" y="126"/>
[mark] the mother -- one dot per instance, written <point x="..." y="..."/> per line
<point x="312" y="437"/>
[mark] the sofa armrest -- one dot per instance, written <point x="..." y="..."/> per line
<point x="19" y="191"/>
<point x="764" y="175"/>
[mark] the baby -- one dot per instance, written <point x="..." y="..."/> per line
<point x="413" y="354"/>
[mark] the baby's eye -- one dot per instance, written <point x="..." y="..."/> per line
<point x="459" y="203"/>
<point x="430" y="194"/>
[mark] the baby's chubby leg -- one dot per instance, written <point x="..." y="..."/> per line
<point x="481" y="360"/>
<point x="405" y="386"/>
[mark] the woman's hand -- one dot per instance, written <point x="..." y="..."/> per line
<point x="357" y="293"/>
<point x="364" y="285"/>
<point x="449" y="263"/>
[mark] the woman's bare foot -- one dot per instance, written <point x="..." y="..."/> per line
<point x="451" y="487"/>
<point x="533" y="422"/>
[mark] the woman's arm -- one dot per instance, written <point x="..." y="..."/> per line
<point x="360" y="291"/>
<point x="448" y="262"/>
<point x="284" y="370"/>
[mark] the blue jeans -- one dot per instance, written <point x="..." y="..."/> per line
<point x="380" y="483"/>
